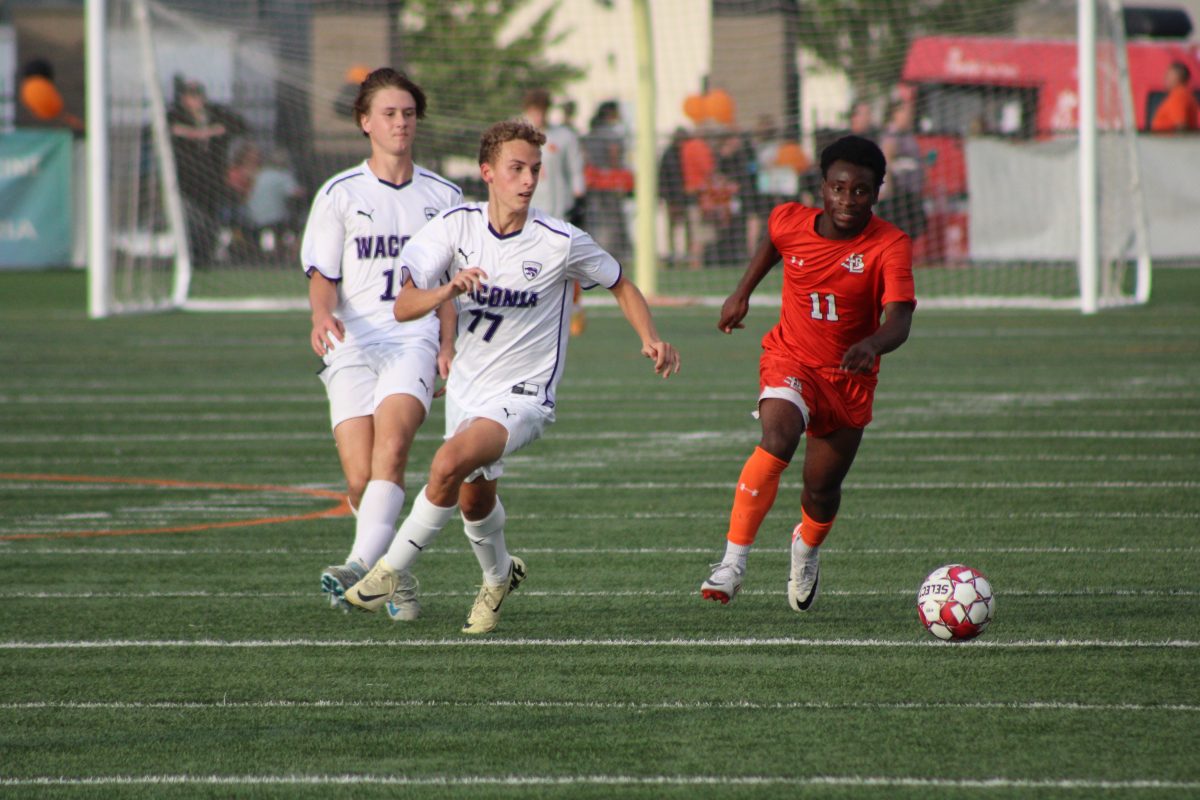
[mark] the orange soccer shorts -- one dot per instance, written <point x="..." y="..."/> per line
<point x="829" y="398"/>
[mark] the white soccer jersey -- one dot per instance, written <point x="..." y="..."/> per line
<point x="358" y="226"/>
<point x="513" y="331"/>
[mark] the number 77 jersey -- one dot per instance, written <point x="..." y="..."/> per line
<point x="513" y="330"/>
<point x="834" y="290"/>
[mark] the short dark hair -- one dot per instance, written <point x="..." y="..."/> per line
<point x="1185" y="74"/>
<point x="537" y="98"/>
<point x="385" y="78"/>
<point x="855" y="150"/>
<point x="510" y="130"/>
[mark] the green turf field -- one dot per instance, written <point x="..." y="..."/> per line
<point x="154" y="644"/>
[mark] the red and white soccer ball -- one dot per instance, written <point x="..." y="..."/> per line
<point x="955" y="603"/>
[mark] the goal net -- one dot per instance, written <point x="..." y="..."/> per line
<point x="224" y="118"/>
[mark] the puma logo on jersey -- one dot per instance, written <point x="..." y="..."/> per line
<point x="370" y="216"/>
<point x="854" y="263"/>
<point x="466" y="257"/>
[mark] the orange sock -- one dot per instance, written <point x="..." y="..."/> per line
<point x="756" y="490"/>
<point x="811" y="531"/>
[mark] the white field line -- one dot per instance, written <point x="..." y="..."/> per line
<point x="599" y="459"/>
<point x="671" y="705"/>
<point x="571" y="486"/>
<point x="315" y="397"/>
<point x="255" y="644"/>
<point x="852" y="781"/>
<point x="593" y="436"/>
<point x="637" y="593"/>
<point x="600" y="551"/>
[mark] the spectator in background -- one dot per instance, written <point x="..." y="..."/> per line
<point x="900" y="200"/>
<point x="862" y="120"/>
<point x="274" y="205"/>
<point x="609" y="181"/>
<point x="1178" y="110"/>
<point x="698" y="165"/>
<point x="236" y="229"/>
<point x="41" y="98"/>
<point x="578" y="213"/>
<point x="201" y="133"/>
<point x="738" y="167"/>
<point x="561" y="186"/>
<point x="670" y="189"/>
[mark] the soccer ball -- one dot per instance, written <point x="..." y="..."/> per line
<point x="955" y="603"/>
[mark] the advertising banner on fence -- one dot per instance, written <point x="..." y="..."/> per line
<point x="36" y="225"/>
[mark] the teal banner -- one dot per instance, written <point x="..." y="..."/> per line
<point x="35" y="199"/>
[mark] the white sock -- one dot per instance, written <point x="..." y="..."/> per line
<point x="487" y="540"/>
<point x="350" y="503"/>
<point x="735" y="555"/>
<point x="376" y="525"/>
<point x="422" y="525"/>
<point x="801" y="548"/>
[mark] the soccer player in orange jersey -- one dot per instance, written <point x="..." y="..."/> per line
<point x="844" y="270"/>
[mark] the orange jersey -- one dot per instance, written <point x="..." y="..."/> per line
<point x="834" y="291"/>
<point x="1177" y="112"/>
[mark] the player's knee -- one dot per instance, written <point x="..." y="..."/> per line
<point x="355" y="486"/>
<point x="781" y="443"/>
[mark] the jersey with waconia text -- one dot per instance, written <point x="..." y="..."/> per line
<point x="513" y="330"/>
<point x="357" y="228"/>
<point x="834" y="291"/>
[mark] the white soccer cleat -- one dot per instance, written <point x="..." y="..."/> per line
<point x="337" y="579"/>
<point x="723" y="584"/>
<point x="404" y="605"/>
<point x="804" y="580"/>
<point x="485" y="613"/>
<point x="378" y="586"/>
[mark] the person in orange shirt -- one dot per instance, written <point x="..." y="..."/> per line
<point x="1178" y="110"/>
<point x="844" y="270"/>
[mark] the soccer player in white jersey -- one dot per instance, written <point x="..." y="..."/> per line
<point x="508" y="269"/>
<point x="379" y="375"/>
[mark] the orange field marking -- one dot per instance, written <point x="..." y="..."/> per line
<point x="340" y="510"/>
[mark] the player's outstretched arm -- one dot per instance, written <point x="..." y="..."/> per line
<point x="327" y="330"/>
<point x="637" y="312"/>
<point x="414" y="303"/>
<point x="737" y="305"/>
<point x="860" y="356"/>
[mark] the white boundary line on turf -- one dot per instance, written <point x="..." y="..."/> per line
<point x="604" y="780"/>
<point x="1091" y="593"/>
<point x="253" y="644"/>
<point x="673" y="705"/>
<point x="639" y="436"/>
<point x="601" y="551"/>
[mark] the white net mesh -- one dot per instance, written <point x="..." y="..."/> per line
<point x="974" y="101"/>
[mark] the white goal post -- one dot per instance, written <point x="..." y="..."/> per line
<point x="993" y="134"/>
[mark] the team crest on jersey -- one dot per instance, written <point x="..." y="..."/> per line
<point x="530" y="269"/>
<point x="430" y="213"/>
<point x="854" y="263"/>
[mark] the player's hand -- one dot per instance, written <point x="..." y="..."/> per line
<point x="664" y="356"/>
<point x="860" y="357"/>
<point x="467" y="280"/>
<point x="733" y="311"/>
<point x="327" y="333"/>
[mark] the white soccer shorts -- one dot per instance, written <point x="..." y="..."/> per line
<point x="359" y="378"/>
<point x="524" y="417"/>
